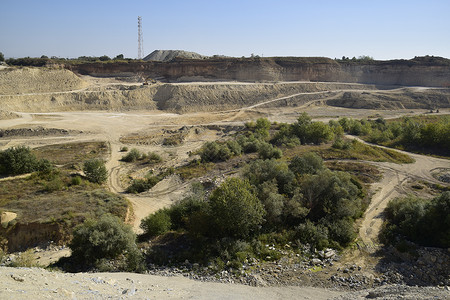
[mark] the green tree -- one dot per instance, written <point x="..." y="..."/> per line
<point x="2" y="57"/>
<point x="157" y="223"/>
<point x="235" y="209"/>
<point x="260" y="171"/>
<point x="309" y="163"/>
<point x="268" y="151"/>
<point x="120" y="56"/>
<point x="106" y="238"/>
<point x="19" y="160"/>
<point x="318" y="132"/>
<point x="104" y="58"/>
<point x="95" y="170"/>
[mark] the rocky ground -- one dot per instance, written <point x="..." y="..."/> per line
<point x="36" y="283"/>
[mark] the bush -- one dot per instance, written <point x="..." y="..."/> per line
<point x="132" y="156"/>
<point x="18" y="160"/>
<point x="309" y="163"/>
<point x="235" y="209"/>
<point x="76" y="180"/>
<point x="95" y="170"/>
<point x="419" y="220"/>
<point x="260" y="171"/>
<point x="106" y="238"/>
<point x="157" y="223"/>
<point x="25" y="259"/>
<point x="315" y="235"/>
<point x="154" y="157"/>
<point x="268" y="151"/>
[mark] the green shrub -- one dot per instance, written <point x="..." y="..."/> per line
<point x="76" y="180"/>
<point x="235" y="209"/>
<point x="106" y="238"/>
<point x="260" y="171"/>
<point x="132" y="156"/>
<point x="268" y="151"/>
<point x="315" y="235"/>
<point x="56" y="184"/>
<point x="138" y="186"/>
<point x="157" y="223"/>
<point x="309" y="163"/>
<point x="124" y="149"/>
<point x="95" y="170"/>
<point x="18" y="160"/>
<point x="154" y="157"/>
<point x="423" y="221"/>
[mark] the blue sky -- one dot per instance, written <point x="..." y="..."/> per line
<point x="381" y="29"/>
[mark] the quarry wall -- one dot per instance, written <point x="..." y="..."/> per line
<point x="278" y="69"/>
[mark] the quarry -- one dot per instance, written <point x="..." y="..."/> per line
<point x="68" y="113"/>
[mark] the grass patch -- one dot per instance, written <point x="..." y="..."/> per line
<point x="70" y="153"/>
<point x="194" y="169"/>
<point x="35" y="199"/>
<point x="361" y="151"/>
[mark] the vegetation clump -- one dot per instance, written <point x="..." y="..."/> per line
<point x="423" y="221"/>
<point x="108" y="238"/>
<point x="301" y="200"/>
<point x="95" y="170"/>
<point x="21" y="160"/>
<point x="425" y="134"/>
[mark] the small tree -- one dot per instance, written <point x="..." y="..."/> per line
<point x="106" y="238"/>
<point x="235" y="209"/>
<point x="309" y="163"/>
<point x="95" y="170"/>
<point x="2" y="57"/>
<point x="157" y="223"/>
<point x="104" y="58"/>
<point x="18" y="160"/>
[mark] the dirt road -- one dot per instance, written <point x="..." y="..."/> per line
<point x="392" y="186"/>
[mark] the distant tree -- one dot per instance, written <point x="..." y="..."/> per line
<point x="104" y="58"/>
<point x="95" y="170"/>
<point x="2" y="57"/>
<point x="44" y="56"/>
<point x="120" y="56"/>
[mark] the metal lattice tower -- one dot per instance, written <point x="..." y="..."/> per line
<point x="140" y="39"/>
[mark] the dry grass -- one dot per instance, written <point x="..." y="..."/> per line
<point x="34" y="201"/>
<point x="70" y="153"/>
<point x="364" y="172"/>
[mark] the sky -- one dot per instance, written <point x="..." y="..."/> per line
<point x="381" y="29"/>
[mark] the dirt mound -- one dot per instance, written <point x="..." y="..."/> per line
<point x="169" y="55"/>
<point x="38" y="131"/>
<point x="430" y="99"/>
<point x="117" y="98"/>
<point x="37" y="80"/>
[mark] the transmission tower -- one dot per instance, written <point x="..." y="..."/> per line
<point x="140" y="39"/>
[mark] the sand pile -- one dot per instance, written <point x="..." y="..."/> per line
<point x="15" y="81"/>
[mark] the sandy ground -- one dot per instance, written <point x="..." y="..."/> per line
<point x="35" y="283"/>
